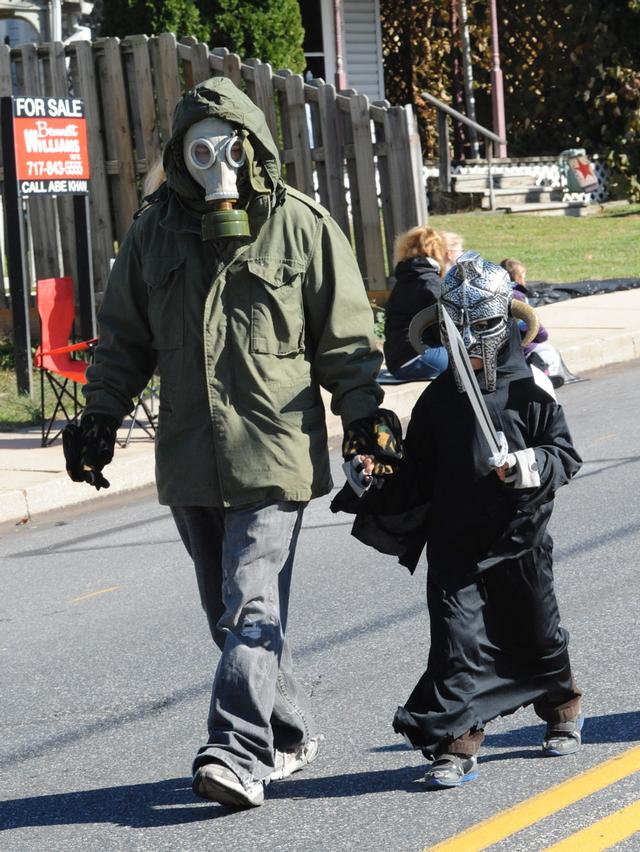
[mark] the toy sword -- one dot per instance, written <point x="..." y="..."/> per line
<point x="496" y="440"/>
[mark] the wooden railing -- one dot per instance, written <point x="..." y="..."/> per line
<point x="361" y="160"/>
<point x="444" y="151"/>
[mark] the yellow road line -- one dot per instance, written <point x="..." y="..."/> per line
<point x="520" y="816"/>
<point x="603" y="834"/>
<point x="95" y="594"/>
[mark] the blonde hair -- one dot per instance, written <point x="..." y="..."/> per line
<point x="420" y="242"/>
<point x="454" y="241"/>
<point x="516" y="269"/>
<point x="154" y="177"/>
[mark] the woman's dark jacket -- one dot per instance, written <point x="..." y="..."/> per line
<point x="447" y="495"/>
<point x="417" y="286"/>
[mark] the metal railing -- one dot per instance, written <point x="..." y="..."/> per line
<point x="443" y="111"/>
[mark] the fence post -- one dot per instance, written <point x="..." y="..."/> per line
<point x="117" y="132"/>
<point x="85" y="86"/>
<point x="164" y="61"/>
<point x="137" y="62"/>
<point x="386" y="177"/>
<point x="263" y="94"/>
<point x="419" y="193"/>
<point x="5" y="91"/>
<point x="298" y="142"/>
<point x="333" y="157"/>
<point x="42" y="214"/>
<point x="444" y="155"/>
<point x="197" y="61"/>
<point x="232" y="68"/>
<point x="55" y="74"/>
<point x="374" y="271"/>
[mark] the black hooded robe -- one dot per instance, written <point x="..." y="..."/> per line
<point x="496" y="640"/>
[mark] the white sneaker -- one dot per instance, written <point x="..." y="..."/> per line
<point x="288" y="762"/>
<point x="218" y="783"/>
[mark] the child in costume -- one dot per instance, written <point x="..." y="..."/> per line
<point x="496" y="640"/>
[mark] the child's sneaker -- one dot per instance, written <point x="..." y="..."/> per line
<point x="562" y="738"/>
<point x="288" y="762"/>
<point x="451" y="770"/>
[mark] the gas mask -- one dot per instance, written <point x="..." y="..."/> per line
<point x="477" y="294"/>
<point x="213" y="154"/>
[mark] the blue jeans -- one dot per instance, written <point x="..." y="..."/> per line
<point x="429" y="365"/>
<point x="243" y="560"/>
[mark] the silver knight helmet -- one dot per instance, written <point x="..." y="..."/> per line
<point x="213" y="154"/>
<point x="477" y="296"/>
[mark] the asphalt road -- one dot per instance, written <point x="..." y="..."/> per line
<point x="105" y="663"/>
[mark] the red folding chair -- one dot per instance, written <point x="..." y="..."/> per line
<point x="54" y="358"/>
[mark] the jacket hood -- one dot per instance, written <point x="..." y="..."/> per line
<point x="220" y="98"/>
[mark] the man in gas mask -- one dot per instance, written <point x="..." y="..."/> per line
<point x="482" y="511"/>
<point x="246" y="298"/>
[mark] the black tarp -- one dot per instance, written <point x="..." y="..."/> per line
<point x="541" y="293"/>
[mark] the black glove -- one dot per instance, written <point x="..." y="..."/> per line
<point x="379" y="436"/>
<point x="89" y="447"/>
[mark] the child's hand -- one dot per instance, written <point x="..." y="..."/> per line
<point x="367" y="463"/>
<point x="502" y="471"/>
<point x="520" y="470"/>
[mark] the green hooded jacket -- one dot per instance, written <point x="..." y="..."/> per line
<point x="242" y="331"/>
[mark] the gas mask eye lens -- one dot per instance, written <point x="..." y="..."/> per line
<point x="202" y="154"/>
<point x="235" y="153"/>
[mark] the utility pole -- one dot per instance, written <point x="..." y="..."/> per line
<point x="468" y="77"/>
<point x="497" y="87"/>
<point x="457" y="93"/>
<point x="56" y="20"/>
<point x="340" y="76"/>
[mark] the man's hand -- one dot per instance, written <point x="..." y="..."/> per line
<point x="88" y="448"/>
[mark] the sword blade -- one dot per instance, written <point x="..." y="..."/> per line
<point x="468" y="378"/>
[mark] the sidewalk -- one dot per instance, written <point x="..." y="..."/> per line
<point x="590" y="332"/>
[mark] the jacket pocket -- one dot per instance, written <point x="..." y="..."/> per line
<point x="277" y="311"/>
<point x="164" y="277"/>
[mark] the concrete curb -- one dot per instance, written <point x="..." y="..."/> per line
<point x="602" y="352"/>
<point x="61" y="493"/>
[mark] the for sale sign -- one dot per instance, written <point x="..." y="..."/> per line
<point x="50" y="139"/>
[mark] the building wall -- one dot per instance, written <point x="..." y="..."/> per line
<point x="363" y="47"/>
<point x="361" y="38"/>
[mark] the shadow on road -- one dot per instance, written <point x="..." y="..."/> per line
<point x="350" y="784"/>
<point x="161" y="803"/>
<point x="171" y="802"/>
<point x="612" y="728"/>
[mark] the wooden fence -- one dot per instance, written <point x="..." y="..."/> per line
<point x="361" y="160"/>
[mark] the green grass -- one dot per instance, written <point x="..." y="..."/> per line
<point x="555" y="249"/>
<point x="18" y="410"/>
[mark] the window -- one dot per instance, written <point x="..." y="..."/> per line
<point x="314" y="50"/>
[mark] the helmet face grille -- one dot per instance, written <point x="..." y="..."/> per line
<point x="476" y="294"/>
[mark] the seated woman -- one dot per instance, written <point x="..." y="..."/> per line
<point x="421" y="256"/>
